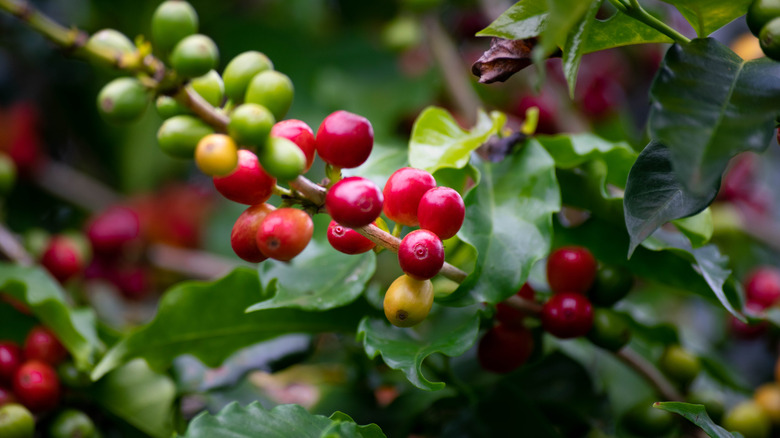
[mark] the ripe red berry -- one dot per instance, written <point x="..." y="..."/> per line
<point x="567" y="315"/>
<point x="748" y="331"/>
<point x="37" y="386"/>
<point x="113" y="229"/>
<point x="249" y="183"/>
<point x="571" y="269"/>
<point x="347" y="240"/>
<point x="41" y="344"/>
<point x="243" y="238"/>
<point x="403" y="192"/>
<point x="511" y="317"/>
<point x="132" y="281"/>
<point x="284" y="233"/>
<point x="299" y="133"/>
<point x="354" y="202"/>
<point x="62" y="258"/>
<point x="763" y="286"/>
<point x="421" y="254"/>
<point x="345" y="139"/>
<point x="10" y="360"/>
<point x="503" y="349"/>
<point x="442" y="211"/>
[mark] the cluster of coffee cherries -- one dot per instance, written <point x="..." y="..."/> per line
<point x="577" y="283"/>
<point x="763" y="19"/>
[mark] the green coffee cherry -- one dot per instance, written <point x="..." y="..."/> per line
<point x="403" y="33"/>
<point x="172" y="21"/>
<point x="680" y="364"/>
<point x="168" y="107"/>
<point x="282" y="159"/>
<point x="16" y="421"/>
<point x="210" y="87"/>
<point x="748" y="419"/>
<point x="71" y="423"/>
<point x="769" y="39"/>
<point x="240" y="71"/>
<point x="610" y="329"/>
<point x="273" y="90"/>
<point x="36" y="240"/>
<point x="612" y="285"/>
<point x="194" y="56"/>
<point x="760" y="13"/>
<point x="7" y="173"/>
<point x="250" y="124"/>
<point x="111" y="41"/>
<point x="646" y="421"/>
<point x="179" y="135"/>
<point x="70" y="376"/>
<point x="122" y="100"/>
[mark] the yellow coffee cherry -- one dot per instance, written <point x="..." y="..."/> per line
<point x="408" y="301"/>
<point x="767" y="396"/>
<point x="216" y="155"/>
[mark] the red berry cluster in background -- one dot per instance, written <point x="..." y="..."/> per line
<point x="27" y="373"/>
<point x="508" y="344"/>
<point x="762" y="291"/>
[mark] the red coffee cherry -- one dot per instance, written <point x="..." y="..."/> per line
<point x="41" y="344"/>
<point x="62" y="258"/>
<point x="345" y="139"/>
<point x="511" y="317"/>
<point x="403" y="192"/>
<point x="299" y="133"/>
<point x="10" y="360"/>
<point x="243" y="238"/>
<point x="284" y="233"/>
<point x="347" y="240"/>
<point x="503" y="349"/>
<point x="421" y="254"/>
<point x="742" y="330"/>
<point x="132" y="281"/>
<point x="354" y="202"/>
<point x="567" y="315"/>
<point x="113" y="230"/>
<point x="763" y="286"/>
<point x="37" y="386"/>
<point x="571" y="269"/>
<point x="442" y="211"/>
<point x="249" y="183"/>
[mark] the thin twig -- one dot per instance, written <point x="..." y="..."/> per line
<point x="313" y="192"/>
<point x="13" y="249"/>
<point x="650" y="373"/>
<point x="192" y="263"/>
<point x="527" y="306"/>
<point x="76" y="187"/>
<point x="194" y="101"/>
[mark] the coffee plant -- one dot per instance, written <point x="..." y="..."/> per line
<point x="311" y="218"/>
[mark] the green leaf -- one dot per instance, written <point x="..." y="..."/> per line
<point x="709" y="105"/>
<point x="46" y="299"/>
<point x="208" y="321"/>
<point x="139" y="396"/>
<point x="509" y="222"/>
<point x="573" y="150"/>
<point x="697" y="415"/>
<point x="564" y="17"/>
<point x="621" y="30"/>
<point x="697" y="228"/>
<point x="574" y="47"/>
<point x="450" y="331"/>
<point x="654" y="195"/>
<point x="383" y="161"/>
<point x="708" y="16"/>
<point x="236" y="421"/>
<point x="525" y="19"/>
<point x="438" y="141"/>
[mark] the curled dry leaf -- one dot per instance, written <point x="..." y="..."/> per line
<point x="503" y="59"/>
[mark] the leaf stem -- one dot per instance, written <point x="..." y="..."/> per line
<point x="650" y="373"/>
<point x="637" y="12"/>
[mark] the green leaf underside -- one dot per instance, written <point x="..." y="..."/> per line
<point x="654" y="195"/>
<point x="697" y="228"/>
<point x="574" y="47"/>
<point x="620" y="30"/>
<point x="697" y="415"/>
<point x="525" y="19"/>
<point x="451" y="331"/>
<point x="707" y="17"/>
<point x="509" y="222"/>
<point x="252" y="421"/>
<point x="736" y="103"/>
<point x="46" y="299"/>
<point x="208" y="321"/>
<point x="437" y="141"/>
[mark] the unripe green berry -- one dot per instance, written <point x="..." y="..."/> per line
<point x="16" y="421"/>
<point x="273" y="90"/>
<point x="610" y="329"/>
<point x="179" y="135"/>
<point x="646" y="421"/>
<point x="240" y="71"/>
<point x="110" y="41"/>
<point x="769" y="39"/>
<point x="7" y="173"/>
<point x="172" y="21"/>
<point x="680" y="364"/>
<point x="194" y="56"/>
<point x="282" y="159"/>
<point x="71" y="423"/>
<point x="168" y="107"/>
<point x="760" y="13"/>
<point x="250" y="124"/>
<point x="210" y="87"/>
<point x="122" y="100"/>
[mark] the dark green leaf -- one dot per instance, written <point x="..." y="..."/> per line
<point x="697" y="415"/>
<point x="509" y="223"/>
<point x="346" y="424"/>
<point x="449" y="331"/>
<point x="564" y="17"/>
<point x="574" y="47"/>
<point x="709" y="105"/>
<point x="208" y="321"/>
<point x="708" y="16"/>
<point x="525" y="19"/>
<point x="654" y="196"/>
<point x="621" y="30"/>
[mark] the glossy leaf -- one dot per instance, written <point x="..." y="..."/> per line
<point x="564" y="17"/>
<point x="208" y="321"/>
<point x="654" y="195"/>
<point x="525" y="19"/>
<point x="43" y="295"/>
<point x="574" y="47"/>
<point x="621" y="30"/>
<point x="572" y="150"/>
<point x="708" y="16"/>
<point x="449" y="331"/>
<point x="509" y="223"/>
<point x="438" y="141"/>
<point x="236" y="421"/>
<point x="697" y="415"/>
<point x="736" y="103"/>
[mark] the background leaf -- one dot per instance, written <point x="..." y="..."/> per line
<point x="574" y="47"/>
<point x="564" y="16"/>
<point x="525" y="19"/>
<point x="620" y="30"/>
<point x="697" y="228"/>
<point x="708" y="16"/>
<point x="572" y="150"/>
<point x="697" y="415"/>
